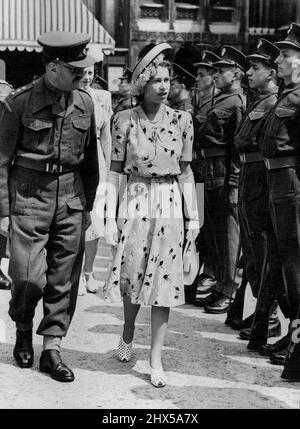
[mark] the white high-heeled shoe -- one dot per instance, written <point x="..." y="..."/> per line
<point x="157" y="377"/>
<point x="124" y="350"/>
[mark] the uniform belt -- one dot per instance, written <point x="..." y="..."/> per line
<point x="213" y="152"/>
<point x="247" y="158"/>
<point x="45" y="167"/>
<point x="283" y="162"/>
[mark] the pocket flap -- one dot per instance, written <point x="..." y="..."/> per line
<point x="222" y="114"/>
<point x="36" y="124"/>
<point x="76" y="203"/>
<point x="284" y="112"/>
<point x="256" y="114"/>
<point x="82" y="124"/>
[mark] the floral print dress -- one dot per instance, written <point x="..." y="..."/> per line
<point x="148" y="263"/>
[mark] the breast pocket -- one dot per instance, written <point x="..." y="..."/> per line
<point x="81" y="128"/>
<point x="37" y="133"/>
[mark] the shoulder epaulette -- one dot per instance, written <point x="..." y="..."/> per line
<point x="21" y="90"/>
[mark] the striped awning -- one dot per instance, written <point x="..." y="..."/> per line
<point x="23" y="21"/>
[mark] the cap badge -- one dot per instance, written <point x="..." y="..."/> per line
<point x="223" y="52"/>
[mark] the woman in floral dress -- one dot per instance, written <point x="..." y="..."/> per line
<point x="152" y="145"/>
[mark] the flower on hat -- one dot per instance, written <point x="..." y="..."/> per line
<point x="137" y="87"/>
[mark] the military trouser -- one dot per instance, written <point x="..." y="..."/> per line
<point x="261" y="262"/>
<point x="47" y="245"/>
<point x="219" y="237"/>
<point x="284" y="205"/>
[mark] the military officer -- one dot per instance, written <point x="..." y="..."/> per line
<point x="280" y="146"/>
<point x="48" y="180"/>
<point x="215" y="144"/>
<point x="183" y="79"/>
<point x="254" y="219"/>
<point x="206" y="91"/>
<point x="124" y="101"/>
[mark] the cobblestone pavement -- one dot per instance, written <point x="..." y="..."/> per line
<point x="206" y="364"/>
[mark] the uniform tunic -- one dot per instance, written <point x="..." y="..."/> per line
<point x="280" y="138"/>
<point x="55" y="141"/>
<point x="148" y="265"/>
<point x="219" y="236"/>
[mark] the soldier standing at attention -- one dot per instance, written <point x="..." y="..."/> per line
<point x="48" y="180"/>
<point x="124" y="101"/>
<point x="215" y="144"/>
<point x="280" y="146"/>
<point x="255" y="223"/>
<point x="207" y="91"/>
<point x="183" y="79"/>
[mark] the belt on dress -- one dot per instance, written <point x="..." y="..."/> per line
<point x="248" y="158"/>
<point x="213" y="152"/>
<point x="157" y="179"/>
<point x="45" y="167"/>
<point x="282" y="162"/>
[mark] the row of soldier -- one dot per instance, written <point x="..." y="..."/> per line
<point x="246" y="152"/>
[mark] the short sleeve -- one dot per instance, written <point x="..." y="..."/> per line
<point x="187" y="133"/>
<point x="119" y="134"/>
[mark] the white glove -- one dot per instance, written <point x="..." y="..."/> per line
<point x="193" y="230"/>
<point x="111" y="232"/>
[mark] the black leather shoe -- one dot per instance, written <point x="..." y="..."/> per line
<point x="51" y="363"/>
<point x="219" y="306"/>
<point x="205" y="284"/>
<point x="280" y="357"/>
<point x="273" y="331"/>
<point x="209" y="299"/>
<point x="268" y="349"/>
<point x="291" y="370"/>
<point x="4" y="281"/>
<point x="23" y="350"/>
<point x="238" y="324"/>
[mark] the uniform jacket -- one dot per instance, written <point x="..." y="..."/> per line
<point x="34" y="125"/>
<point x="247" y="136"/>
<point x="281" y="133"/>
<point x="218" y="130"/>
<point x="185" y="105"/>
<point x="124" y="103"/>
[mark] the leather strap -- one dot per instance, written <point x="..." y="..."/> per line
<point x="213" y="152"/>
<point x="283" y="162"/>
<point x="42" y="166"/>
<point x="247" y="158"/>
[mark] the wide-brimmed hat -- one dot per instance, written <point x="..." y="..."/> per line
<point x="231" y="56"/>
<point x="207" y="59"/>
<point x="68" y="47"/>
<point x="266" y="52"/>
<point x="149" y="57"/>
<point x="292" y="40"/>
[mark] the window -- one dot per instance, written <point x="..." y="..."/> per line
<point x="187" y="10"/>
<point x="152" y="9"/>
<point x="222" y="11"/>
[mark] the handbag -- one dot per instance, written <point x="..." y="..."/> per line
<point x="190" y="263"/>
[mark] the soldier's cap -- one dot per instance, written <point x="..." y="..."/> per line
<point x="101" y="81"/>
<point x="182" y="74"/>
<point x="207" y="59"/>
<point x="149" y="57"/>
<point x="127" y="74"/>
<point x="266" y="52"/>
<point x="231" y="57"/>
<point x="184" y="59"/>
<point x="71" y="48"/>
<point x="292" y="40"/>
